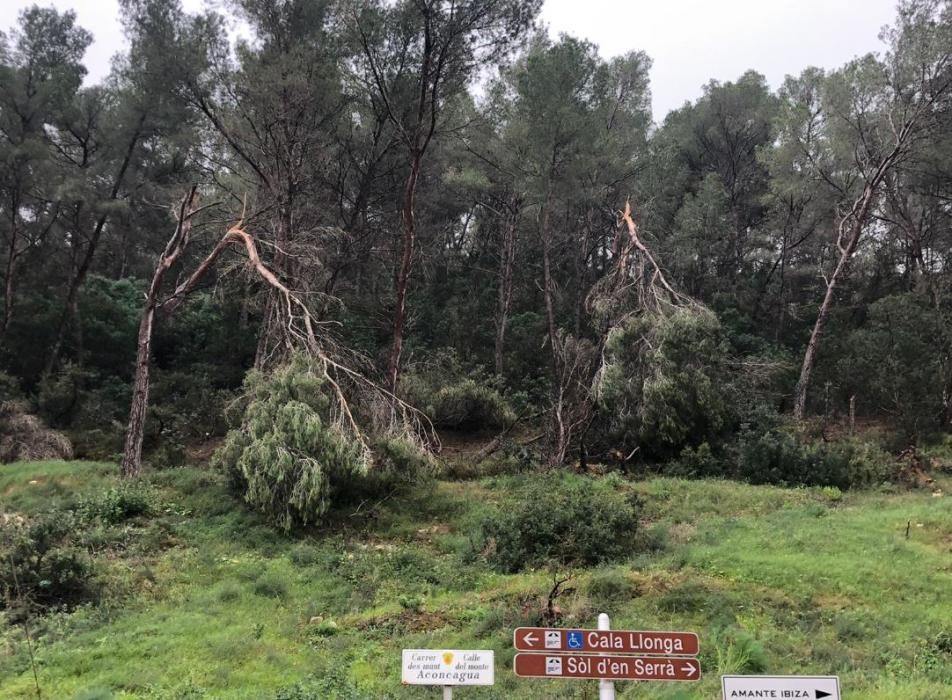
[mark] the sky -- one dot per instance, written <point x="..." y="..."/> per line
<point x="690" y="41"/>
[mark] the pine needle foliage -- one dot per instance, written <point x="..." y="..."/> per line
<point x="285" y="457"/>
<point x="665" y="380"/>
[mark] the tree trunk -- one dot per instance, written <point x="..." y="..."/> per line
<point x="504" y="296"/>
<point x="857" y="221"/>
<point x="547" y="285"/>
<point x="8" y="291"/>
<point x="559" y="431"/>
<point x="402" y="280"/>
<point x="580" y="260"/>
<point x="135" y="430"/>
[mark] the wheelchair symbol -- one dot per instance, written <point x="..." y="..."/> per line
<point x="575" y="640"/>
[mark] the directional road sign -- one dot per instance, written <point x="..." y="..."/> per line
<point x="781" y="687"/>
<point x="616" y="668"/>
<point x="611" y="641"/>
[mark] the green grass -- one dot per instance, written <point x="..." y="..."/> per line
<point x="204" y="600"/>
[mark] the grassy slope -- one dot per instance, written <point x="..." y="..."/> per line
<point x="210" y="602"/>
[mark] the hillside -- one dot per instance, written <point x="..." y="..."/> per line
<point x="202" y="599"/>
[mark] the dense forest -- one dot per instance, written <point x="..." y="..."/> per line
<point x="336" y="328"/>
<point x="372" y="225"/>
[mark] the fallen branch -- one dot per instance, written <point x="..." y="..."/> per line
<point x="298" y="332"/>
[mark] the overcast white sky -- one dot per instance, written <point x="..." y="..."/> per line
<point x="691" y="41"/>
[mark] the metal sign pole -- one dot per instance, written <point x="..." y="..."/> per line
<point x="447" y="692"/>
<point x="606" y="689"/>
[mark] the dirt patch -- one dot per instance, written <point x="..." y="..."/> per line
<point x="423" y="621"/>
<point x="406" y="621"/>
<point x="201" y="452"/>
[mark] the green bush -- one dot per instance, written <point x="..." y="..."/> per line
<point x="285" y="458"/>
<point x="228" y="591"/>
<point x="697" y="462"/>
<point x="400" y="463"/>
<point x="271" y="585"/>
<point x="468" y="405"/>
<point x="119" y="503"/>
<point x="43" y="565"/>
<point x="665" y="383"/>
<point x="334" y="684"/>
<point x="454" y="398"/>
<point x="780" y="457"/>
<point x="563" y="520"/>
<point x="731" y="650"/>
<point x="303" y="554"/>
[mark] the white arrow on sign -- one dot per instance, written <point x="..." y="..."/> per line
<point x="689" y="669"/>
<point x="530" y="639"/>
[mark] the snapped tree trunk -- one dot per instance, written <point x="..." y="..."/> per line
<point x="135" y="430"/>
<point x="402" y="279"/>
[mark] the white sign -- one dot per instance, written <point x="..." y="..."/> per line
<point x="447" y="667"/>
<point x="780" y="687"/>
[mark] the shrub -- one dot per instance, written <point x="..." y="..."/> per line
<point x="303" y="554"/>
<point x="563" y="520"/>
<point x="333" y="684"/>
<point x="468" y="405"/>
<point x="665" y="381"/>
<point x="271" y="585"/>
<point x="732" y="651"/>
<point x="43" y="566"/>
<point x="285" y="458"/>
<point x="227" y="591"/>
<point x="455" y="399"/>
<point x="398" y="463"/>
<point x="119" y="503"/>
<point x="697" y="462"/>
<point x="779" y="457"/>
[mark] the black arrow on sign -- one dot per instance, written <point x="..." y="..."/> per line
<point x="822" y="694"/>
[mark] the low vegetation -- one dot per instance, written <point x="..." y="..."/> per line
<point x="200" y="597"/>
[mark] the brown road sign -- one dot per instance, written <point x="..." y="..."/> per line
<point x="612" y="641"/>
<point x="616" y="668"/>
